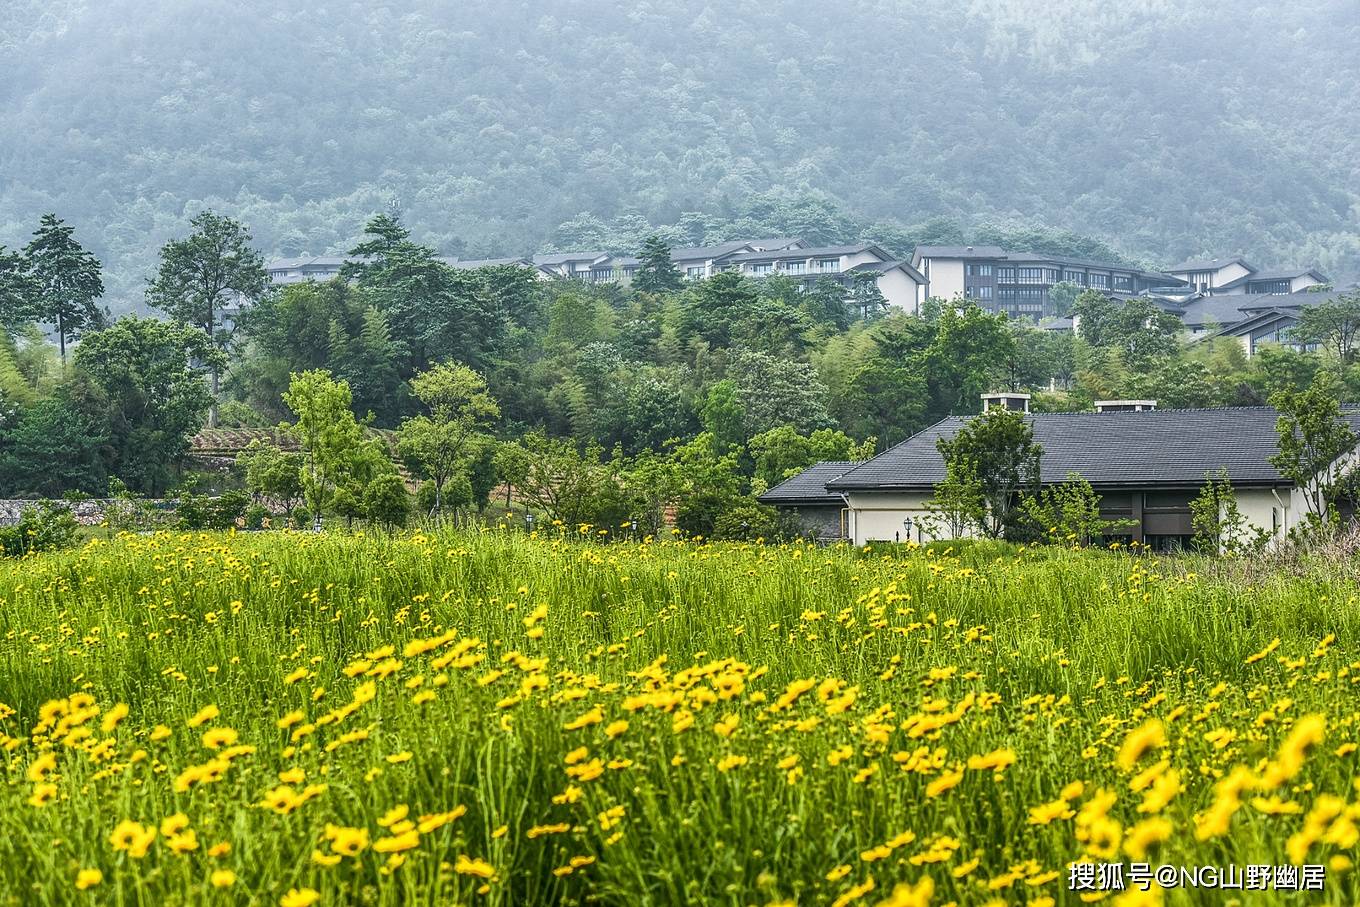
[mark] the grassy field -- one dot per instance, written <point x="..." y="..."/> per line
<point x="488" y="719"/>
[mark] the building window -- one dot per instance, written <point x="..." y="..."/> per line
<point x="1031" y="275"/>
<point x="1274" y="287"/>
<point x="984" y="292"/>
<point x="1006" y="275"/>
<point x="968" y="292"/>
<point x="795" y="267"/>
<point x="985" y="270"/>
<point x="1123" y="282"/>
<point x="695" y="272"/>
<point x="1076" y="277"/>
<point x="828" y="264"/>
<point x="763" y="267"/>
<point x="1100" y="280"/>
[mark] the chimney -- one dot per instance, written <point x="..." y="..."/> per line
<point x="1013" y="402"/>
<point x="1125" y="406"/>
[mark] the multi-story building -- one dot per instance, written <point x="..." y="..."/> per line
<point x="1237" y="276"/>
<point x="1018" y="284"/>
<point x="900" y="283"/>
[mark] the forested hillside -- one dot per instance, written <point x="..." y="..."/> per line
<point x="1165" y="128"/>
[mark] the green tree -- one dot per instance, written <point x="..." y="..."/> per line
<point x="387" y="502"/>
<point x="711" y="308"/>
<point x="273" y="473"/>
<point x="460" y="410"/>
<point x="782" y="452"/>
<point x="882" y="400"/>
<point x="65" y="281"/>
<point x="999" y="447"/>
<point x="1333" y="325"/>
<point x="656" y="272"/>
<point x="141" y="382"/>
<point x="330" y="437"/>
<point x="1314" y="437"/>
<point x="957" y="502"/>
<point x="1139" y="330"/>
<point x="1219" y="524"/>
<point x="569" y="485"/>
<point x="723" y="416"/>
<point x="865" y="297"/>
<point x="17" y="307"/>
<point x="51" y="449"/>
<point x="200" y="276"/>
<point x="1067" y="513"/>
<point x="434" y="311"/>
<point x="963" y="358"/>
<point x="776" y="391"/>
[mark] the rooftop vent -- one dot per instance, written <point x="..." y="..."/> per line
<point x="1015" y="402"/>
<point x="1125" y="406"/>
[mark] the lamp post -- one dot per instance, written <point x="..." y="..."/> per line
<point x="907" y="524"/>
<point x="633" y="525"/>
<point x="529" y="523"/>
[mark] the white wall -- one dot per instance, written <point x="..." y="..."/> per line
<point x="900" y="289"/>
<point x="1302" y="282"/>
<point x="946" y="278"/>
<point x="878" y="517"/>
<point x="1227" y="274"/>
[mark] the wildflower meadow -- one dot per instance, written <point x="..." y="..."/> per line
<point x="492" y="718"/>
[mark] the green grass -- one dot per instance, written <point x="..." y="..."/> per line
<point x="1053" y="655"/>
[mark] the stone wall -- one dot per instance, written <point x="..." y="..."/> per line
<point x="87" y="513"/>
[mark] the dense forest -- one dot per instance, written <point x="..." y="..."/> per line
<point x="1164" y="129"/>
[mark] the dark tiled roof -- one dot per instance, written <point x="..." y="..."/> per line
<point x="809" y="486"/>
<point x="560" y="258"/>
<point x="1280" y="274"/>
<point x="1209" y="264"/>
<point x="775" y="242"/>
<point x="882" y="267"/>
<point x="821" y="251"/>
<point x="958" y="252"/>
<point x="474" y="263"/>
<point x="1162" y="448"/>
<point x="704" y="253"/>
<point x="1227" y="310"/>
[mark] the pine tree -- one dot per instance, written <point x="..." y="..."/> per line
<point x="16" y="291"/>
<point x="200" y="275"/>
<point x="656" y="273"/>
<point x="65" y="281"/>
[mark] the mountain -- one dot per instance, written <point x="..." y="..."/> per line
<point x="1163" y="128"/>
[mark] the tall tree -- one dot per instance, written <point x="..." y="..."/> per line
<point x="199" y="276"/>
<point x="999" y="448"/>
<point x="331" y="438"/>
<point x="150" y="397"/>
<point x="656" y="272"/>
<point x="1314" y="439"/>
<point x="65" y="281"/>
<point x="460" y="409"/>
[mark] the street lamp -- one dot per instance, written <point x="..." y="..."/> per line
<point x="907" y="524"/>
<point x="529" y="522"/>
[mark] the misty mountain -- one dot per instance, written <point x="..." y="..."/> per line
<point x="1163" y="128"/>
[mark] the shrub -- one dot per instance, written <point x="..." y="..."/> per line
<point x="387" y="502"/>
<point x="46" y="526"/>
